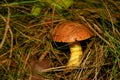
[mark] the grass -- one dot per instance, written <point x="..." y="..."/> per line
<point x="25" y="38"/>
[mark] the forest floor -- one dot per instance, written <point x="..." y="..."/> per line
<point x="28" y="51"/>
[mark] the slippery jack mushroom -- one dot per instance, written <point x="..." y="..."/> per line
<point x="72" y="33"/>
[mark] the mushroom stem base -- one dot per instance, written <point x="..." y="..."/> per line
<point x="76" y="54"/>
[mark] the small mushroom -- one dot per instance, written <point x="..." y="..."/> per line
<point x="39" y="67"/>
<point x="72" y="33"/>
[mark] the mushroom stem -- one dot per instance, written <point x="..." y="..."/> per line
<point x="76" y="54"/>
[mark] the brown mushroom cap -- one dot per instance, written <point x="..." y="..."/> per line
<point x="70" y="32"/>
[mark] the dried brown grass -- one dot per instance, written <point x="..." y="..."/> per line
<point x="25" y="39"/>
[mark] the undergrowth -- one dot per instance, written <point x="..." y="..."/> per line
<point x="25" y="38"/>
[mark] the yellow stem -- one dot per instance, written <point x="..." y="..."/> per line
<point x="76" y="54"/>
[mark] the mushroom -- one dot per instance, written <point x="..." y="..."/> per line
<point x="39" y="67"/>
<point x="72" y="33"/>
